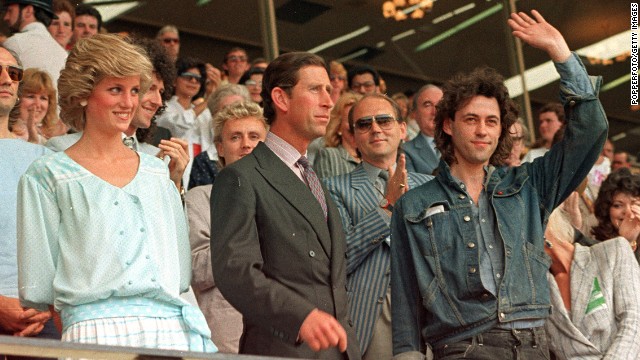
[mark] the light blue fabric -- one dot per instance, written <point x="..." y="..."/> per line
<point x="16" y="157"/>
<point x="438" y="295"/>
<point x="96" y="241"/>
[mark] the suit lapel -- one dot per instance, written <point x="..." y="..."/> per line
<point x="295" y="191"/>
<point x="365" y="195"/>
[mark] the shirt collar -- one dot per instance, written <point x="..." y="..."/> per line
<point x="282" y="149"/>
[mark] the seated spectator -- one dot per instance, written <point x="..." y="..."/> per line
<point x="239" y="128"/>
<point x="339" y="156"/>
<point x="551" y="118"/>
<point x="252" y="79"/>
<point x="403" y="102"/>
<point x="236" y="62"/>
<point x="187" y="116"/>
<point x="364" y="79"/>
<point x="36" y="117"/>
<point x="620" y="160"/>
<point x="206" y="165"/>
<point x="112" y="239"/>
<point x="338" y="77"/>
<point x="17" y="155"/>
<point x="62" y="28"/>
<point x="619" y="196"/>
<point x="594" y="294"/>
<point x="31" y="41"/>
<point x="88" y="22"/>
<point x="169" y="37"/>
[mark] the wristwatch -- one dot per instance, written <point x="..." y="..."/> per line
<point x="385" y="204"/>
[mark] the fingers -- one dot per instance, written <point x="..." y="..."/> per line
<point x="321" y="331"/>
<point x="31" y="330"/>
<point x="33" y="315"/>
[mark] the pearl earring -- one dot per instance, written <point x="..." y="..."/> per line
<point x="83" y="103"/>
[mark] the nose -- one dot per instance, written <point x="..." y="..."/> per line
<point x="326" y="99"/>
<point x="481" y="128"/>
<point x="130" y="100"/>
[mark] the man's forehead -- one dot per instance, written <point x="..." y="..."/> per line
<point x="372" y="105"/>
<point x="86" y="19"/>
<point x="6" y="58"/>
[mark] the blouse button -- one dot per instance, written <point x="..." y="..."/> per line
<point x="471" y="245"/>
<point x="115" y="203"/>
<point x="472" y="270"/>
<point x="121" y="232"/>
<point x="467" y="218"/>
<point x="141" y="229"/>
<point x="147" y="257"/>
<point x="312" y="253"/>
<point x="130" y="282"/>
<point x="462" y="197"/>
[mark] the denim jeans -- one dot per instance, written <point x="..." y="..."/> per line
<point x="494" y="344"/>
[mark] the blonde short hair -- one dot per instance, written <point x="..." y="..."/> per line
<point x="236" y="110"/>
<point x="89" y="62"/>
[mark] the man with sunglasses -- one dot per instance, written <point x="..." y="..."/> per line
<point x="31" y="41"/>
<point x="236" y="62"/>
<point x="277" y="245"/>
<point x="468" y="267"/>
<point x="169" y="38"/>
<point x="16" y="157"/>
<point x="365" y="199"/>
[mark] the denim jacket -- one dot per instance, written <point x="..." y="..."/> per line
<point x="437" y="293"/>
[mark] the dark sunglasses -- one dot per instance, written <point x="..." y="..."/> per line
<point x="15" y="72"/>
<point x="190" y="76"/>
<point x="384" y="121"/>
<point x="169" y="41"/>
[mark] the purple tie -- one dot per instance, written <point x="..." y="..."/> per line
<point x="314" y="183"/>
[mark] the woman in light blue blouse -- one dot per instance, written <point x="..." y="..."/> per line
<point x="102" y="237"/>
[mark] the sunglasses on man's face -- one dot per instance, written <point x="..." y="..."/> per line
<point x="364" y="124"/>
<point x="15" y="72"/>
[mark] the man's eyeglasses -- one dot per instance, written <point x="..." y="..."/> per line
<point x="369" y="85"/>
<point x="15" y="72"/>
<point x="190" y="76"/>
<point x="171" y="40"/>
<point x="236" y="58"/>
<point x="364" y="124"/>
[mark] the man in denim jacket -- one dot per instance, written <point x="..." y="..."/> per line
<point x="467" y="261"/>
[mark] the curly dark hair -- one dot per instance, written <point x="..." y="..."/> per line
<point x="162" y="67"/>
<point x="620" y="181"/>
<point x="458" y="91"/>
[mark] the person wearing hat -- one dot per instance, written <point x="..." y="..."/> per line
<point x="31" y="41"/>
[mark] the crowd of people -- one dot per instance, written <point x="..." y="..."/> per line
<point x="310" y="214"/>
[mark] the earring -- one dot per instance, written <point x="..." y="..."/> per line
<point x="548" y="243"/>
<point x="83" y="103"/>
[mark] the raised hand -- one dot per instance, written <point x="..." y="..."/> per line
<point x="538" y="33"/>
<point x="398" y="181"/>
<point x="178" y="151"/>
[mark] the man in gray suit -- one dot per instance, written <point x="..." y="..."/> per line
<point x="277" y="244"/>
<point x="365" y="199"/>
<point x="422" y="156"/>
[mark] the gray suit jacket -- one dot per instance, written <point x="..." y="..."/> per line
<point x="274" y="256"/>
<point x="224" y="321"/>
<point x="366" y="226"/>
<point x="420" y="156"/>
<point x="609" y="331"/>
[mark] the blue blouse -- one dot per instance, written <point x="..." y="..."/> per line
<point x="83" y="240"/>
